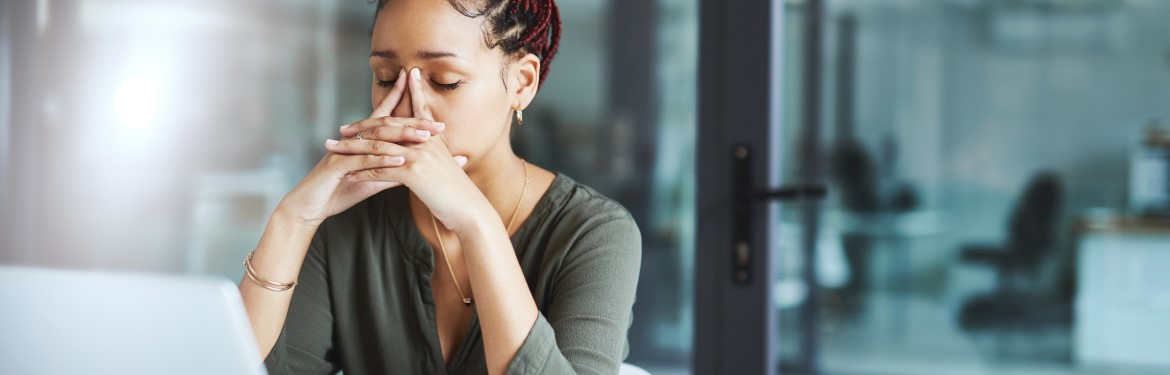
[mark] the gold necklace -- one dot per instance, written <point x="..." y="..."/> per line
<point x="435" y="223"/>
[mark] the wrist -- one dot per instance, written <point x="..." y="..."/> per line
<point x="282" y="247"/>
<point x="289" y="222"/>
<point x="478" y="220"/>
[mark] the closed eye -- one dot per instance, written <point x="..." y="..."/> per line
<point x="441" y="86"/>
<point x="447" y="86"/>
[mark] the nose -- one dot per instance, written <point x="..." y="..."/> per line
<point x="403" y="108"/>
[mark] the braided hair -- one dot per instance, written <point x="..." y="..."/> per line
<point x="516" y="26"/>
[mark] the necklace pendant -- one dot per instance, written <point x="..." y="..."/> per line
<point x="467" y="301"/>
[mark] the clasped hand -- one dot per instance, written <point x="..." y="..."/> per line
<point x="383" y="152"/>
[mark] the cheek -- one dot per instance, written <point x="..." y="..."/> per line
<point x="465" y="129"/>
<point x="377" y="94"/>
<point x="473" y="120"/>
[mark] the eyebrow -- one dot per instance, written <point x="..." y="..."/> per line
<point x="424" y="55"/>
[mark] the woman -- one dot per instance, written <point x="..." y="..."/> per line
<point x="421" y="243"/>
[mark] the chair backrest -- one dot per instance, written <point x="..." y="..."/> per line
<point x="1037" y="213"/>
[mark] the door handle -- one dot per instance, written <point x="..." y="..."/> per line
<point x="743" y="251"/>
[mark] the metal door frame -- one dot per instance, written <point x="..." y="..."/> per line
<point x="738" y="76"/>
<point x="738" y="171"/>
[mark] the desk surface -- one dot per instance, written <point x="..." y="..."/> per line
<point x="1124" y="225"/>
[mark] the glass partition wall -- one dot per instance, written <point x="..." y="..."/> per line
<point x="998" y="176"/>
<point x="157" y="136"/>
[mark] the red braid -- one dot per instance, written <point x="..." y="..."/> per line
<point x="542" y="37"/>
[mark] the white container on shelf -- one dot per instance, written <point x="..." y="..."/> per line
<point x="1149" y="174"/>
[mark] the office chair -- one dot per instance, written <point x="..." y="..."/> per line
<point x="1017" y="262"/>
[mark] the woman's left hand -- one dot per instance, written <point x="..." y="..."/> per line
<point x="431" y="171"/>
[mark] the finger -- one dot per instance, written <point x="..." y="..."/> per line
<point x="389" y="174"/>
<point x="343" y="165"/>
<point x="398" y="134"/>
<point x="391" y="100"/>
<point x="380" y="185"/>
<point x="418" y="99"/>
<point x="351" y="130"/>
<point x="366" y="146"/>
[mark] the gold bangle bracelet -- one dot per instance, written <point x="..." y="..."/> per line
<point x="260" y="280"/>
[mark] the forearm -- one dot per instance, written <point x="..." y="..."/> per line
<point x="278" y="257"/>
<point x="505" y="306"/>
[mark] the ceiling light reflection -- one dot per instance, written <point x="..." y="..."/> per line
<point x="136" y="102"/>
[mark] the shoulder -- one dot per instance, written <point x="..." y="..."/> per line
<point x="578" y="211"/>
<point x="588" y="238"/>
<point x="578" y="203"/>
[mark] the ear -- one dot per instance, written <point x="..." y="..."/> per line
<point x="525" y="79"/>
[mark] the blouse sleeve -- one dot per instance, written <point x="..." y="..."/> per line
<point x="584" y="330"/>
<point x="305" y="345"/>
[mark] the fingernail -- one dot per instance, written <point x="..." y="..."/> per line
<point x="397" y="160"/>
<point x="423" y="133"/>
<point x="415" y="74"/>
<point x="344" y="126"/>
<point x="330" y="142"/>
<point x="462" y="160"/>
<point x="440" y="126"/>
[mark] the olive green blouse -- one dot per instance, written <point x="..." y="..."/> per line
<point x="364" y="305"/>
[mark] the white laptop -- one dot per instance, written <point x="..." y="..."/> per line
<point x="73" y="322"/>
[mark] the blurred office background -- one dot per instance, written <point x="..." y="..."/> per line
<point x="999" y="169"/>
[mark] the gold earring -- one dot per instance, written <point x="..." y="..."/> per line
<point x="519" y="117"/>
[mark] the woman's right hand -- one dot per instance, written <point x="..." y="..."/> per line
<point x="325" y="191"/>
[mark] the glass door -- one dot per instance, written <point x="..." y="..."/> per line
<point x="998" y="188"/>
<point x="998" y="179"/>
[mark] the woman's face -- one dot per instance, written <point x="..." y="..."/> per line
<point x="463" y="80"/>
